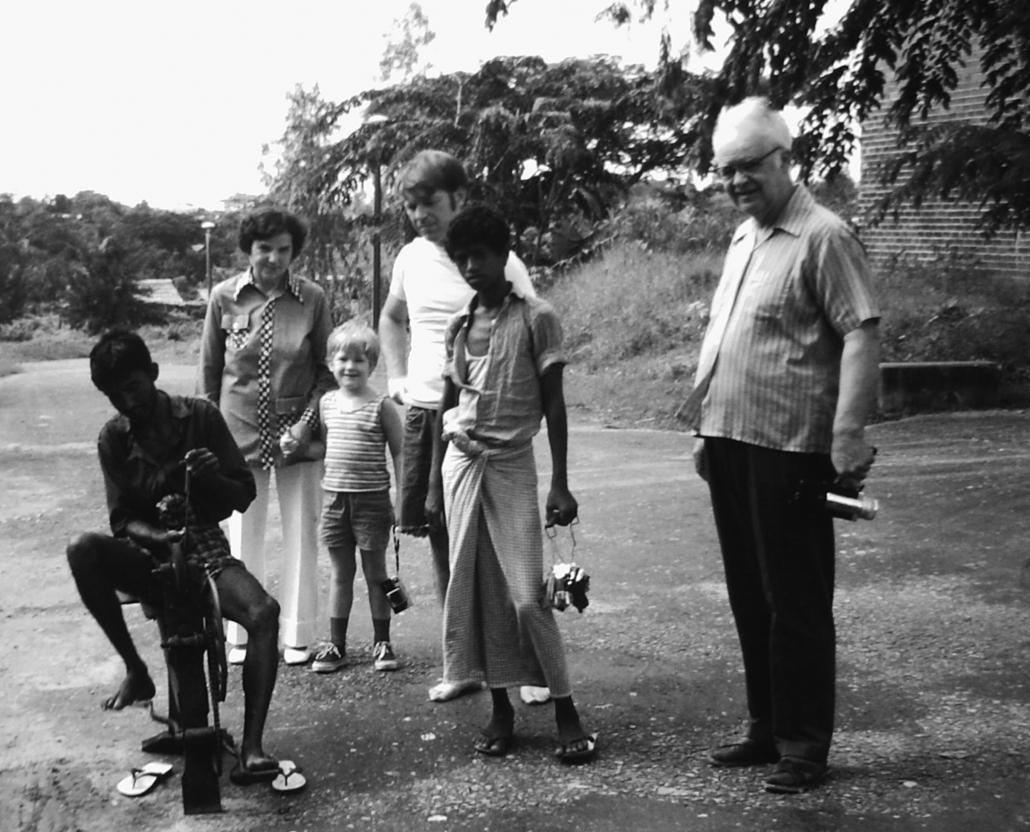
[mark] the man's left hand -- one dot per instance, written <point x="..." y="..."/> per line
<point x="852" y="457"/>
<point x="561" y="507"/>
<point x="201" y="463"/>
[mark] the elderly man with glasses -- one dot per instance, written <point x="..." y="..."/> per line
<point x="786" y="381"/>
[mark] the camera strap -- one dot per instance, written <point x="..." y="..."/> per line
<point x="396" y="550"/>
<point x="552" y="535"/>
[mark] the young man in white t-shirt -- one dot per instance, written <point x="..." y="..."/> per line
<point x="426" y="290"/>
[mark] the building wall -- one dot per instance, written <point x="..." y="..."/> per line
<point x="938" y="227"/>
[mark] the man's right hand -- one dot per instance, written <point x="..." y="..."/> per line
<point x="434" y="509"/>
<point x="700" y="458"/>
<point x="397" y="388"/>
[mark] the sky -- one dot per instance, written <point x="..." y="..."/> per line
<point x="172" y="103"/>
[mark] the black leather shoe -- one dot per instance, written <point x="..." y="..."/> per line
<point x="794" y="776"/>
<point x="747" y="752"/>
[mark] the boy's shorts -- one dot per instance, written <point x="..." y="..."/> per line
<point x="361" y="518"/>
<point x="416" y="460"/>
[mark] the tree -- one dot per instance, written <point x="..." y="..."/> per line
<point x="549" y="144"/>
<point x="838" y="74"/>
<point x="401" y="56"/>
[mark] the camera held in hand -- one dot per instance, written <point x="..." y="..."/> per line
<point x="849" y="504"/>
<point x="567" y="586"/>
<point x="396" y="594"/>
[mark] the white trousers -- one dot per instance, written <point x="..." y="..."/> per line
<point x="300" y="501"/>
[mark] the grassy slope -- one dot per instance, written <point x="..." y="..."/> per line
<point x="634" y="320"/>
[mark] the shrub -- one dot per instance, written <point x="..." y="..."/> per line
<point x="103" y="292"/>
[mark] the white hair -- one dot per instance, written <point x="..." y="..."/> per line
<point x="753" y="117"/>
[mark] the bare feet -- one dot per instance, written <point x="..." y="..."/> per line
<point x="254" y="768"/>
<point x="496" y="737"/>
<point x="136" y="687"/>
<point x="575" y="744"/>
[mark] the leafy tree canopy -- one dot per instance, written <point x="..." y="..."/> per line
<point x="546" y="143"/>
<point x="778" y="48"/>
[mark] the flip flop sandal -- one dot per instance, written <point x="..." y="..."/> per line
<point x="581" y="755"/>
<point x="246" y="777"/>
<point x="288" y="779"/>
<point x="494" y="746"/>
<point x="142" y="780"/>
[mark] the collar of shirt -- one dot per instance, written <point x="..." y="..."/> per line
<point x="791" y="219"/>
<point x="247" y="279"/>
<point x="179" y="412"/>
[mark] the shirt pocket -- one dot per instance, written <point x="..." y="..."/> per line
<point x="237" y="330"/>
<point x="765" y="294"/>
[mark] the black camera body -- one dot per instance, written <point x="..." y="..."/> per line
<point x="396" y="594"/>
<point x="567" y="585"/>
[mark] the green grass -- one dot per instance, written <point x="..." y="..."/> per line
<point x="44" y="338"/>
<point x="634" y="320"/>
<point x="633" y="323"/>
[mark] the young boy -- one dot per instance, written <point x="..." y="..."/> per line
<point x="146" y="454"/>
<point x="426" y="290"/>
<point x="358" y="425"/>
<point x="503" y="373"/>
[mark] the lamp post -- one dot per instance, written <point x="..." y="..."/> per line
<point x="376" y="160"/>
<point x="207" y="225"/>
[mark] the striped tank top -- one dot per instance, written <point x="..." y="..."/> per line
<point x="355" y="446"/>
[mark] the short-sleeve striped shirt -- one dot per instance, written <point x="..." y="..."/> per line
<point x="786" y="299"/>
<point x="355" y="446"/>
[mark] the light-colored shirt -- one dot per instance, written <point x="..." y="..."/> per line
<point x="355" y="445"/>
<point x="230" y="350"/>
<point x="525" y="340"/>
<point x="787" y="297"/>
<point x="429" y="283"/>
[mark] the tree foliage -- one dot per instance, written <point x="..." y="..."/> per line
<point x="553" y="146"/>
<point x="85" y="255"/>
<point x="779" y="48"/>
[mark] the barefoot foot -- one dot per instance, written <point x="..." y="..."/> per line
<point x="136" y="687"/>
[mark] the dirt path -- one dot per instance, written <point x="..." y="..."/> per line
<point x="933" y="621"/>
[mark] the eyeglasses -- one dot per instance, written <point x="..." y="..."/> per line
<point x="746" y="167"/>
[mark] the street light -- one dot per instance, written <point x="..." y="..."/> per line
<point x="377" y="219"/>
<point x="207" y="225"/>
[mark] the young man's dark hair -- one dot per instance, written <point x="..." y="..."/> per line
<point x="117" y="353"/>
<point x="267" y="223"/>
<point x="478" y="224"/>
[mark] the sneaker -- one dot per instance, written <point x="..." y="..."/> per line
<point x="296" y="655"/>
<point x="329" y="659"/>
<point x="383" y="657"/>
<point x="237" y="655"/>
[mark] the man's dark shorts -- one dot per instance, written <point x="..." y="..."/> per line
<point x="416" y="460"/>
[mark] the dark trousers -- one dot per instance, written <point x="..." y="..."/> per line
<point x="777" y="546"/>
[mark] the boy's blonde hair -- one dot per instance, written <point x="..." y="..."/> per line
<point x="354" y="335"/>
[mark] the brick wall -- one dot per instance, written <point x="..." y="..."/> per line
<point x="938" y="226"/>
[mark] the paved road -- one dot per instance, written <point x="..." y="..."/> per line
<point x="934" y="706"/>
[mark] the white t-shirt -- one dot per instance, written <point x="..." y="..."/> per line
<point x="427" y="280"/>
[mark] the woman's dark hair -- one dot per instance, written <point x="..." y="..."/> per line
<point x="117" y="354"/>
<point x="476" y="224"/>
<point x="266" y="223"/>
